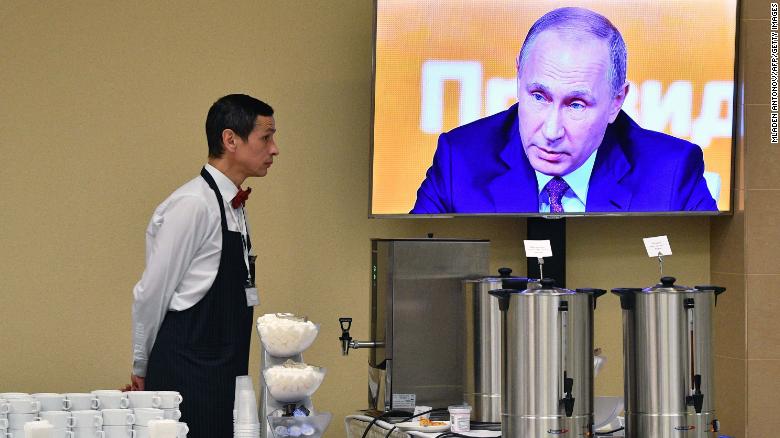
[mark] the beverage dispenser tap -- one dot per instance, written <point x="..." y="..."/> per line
<point x="568" y="383"/>
<point x="347" y="342"/>
<point x="568" y="399"/>
<point x="697" y="398"/>
<point x="345" y="338"/>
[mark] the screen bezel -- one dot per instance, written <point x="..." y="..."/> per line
<point x="736" y="128"/>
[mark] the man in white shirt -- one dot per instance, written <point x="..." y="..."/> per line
<point x="192" y="314"/>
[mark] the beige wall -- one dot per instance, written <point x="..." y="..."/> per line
<point x="747" y="352"/>
<point x="103" y="118"/>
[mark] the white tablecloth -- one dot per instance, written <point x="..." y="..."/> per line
<point x="356" y="425"/>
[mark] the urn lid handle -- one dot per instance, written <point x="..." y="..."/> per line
<point x="504" y="272"/>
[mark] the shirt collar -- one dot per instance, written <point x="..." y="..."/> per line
<point x="577" y="180"/>
<point x="227" y="189"/>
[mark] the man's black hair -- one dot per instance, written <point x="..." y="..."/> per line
<point x="237" y="112"/>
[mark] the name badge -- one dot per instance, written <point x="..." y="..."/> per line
<point x="252" y="298"/>
<point x="249" y="286"/>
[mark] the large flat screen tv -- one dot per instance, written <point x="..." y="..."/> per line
<point x="613" y="107"/>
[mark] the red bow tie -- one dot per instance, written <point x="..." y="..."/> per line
<point x="241" y="197"/>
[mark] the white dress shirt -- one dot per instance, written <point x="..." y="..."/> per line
<point x="574" y="199"/>
<point x="183" y="249"/>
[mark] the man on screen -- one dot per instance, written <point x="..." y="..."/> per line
<point x="565" y="146"/>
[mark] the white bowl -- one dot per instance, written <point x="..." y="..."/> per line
<point x="291" y="383"/>
<point x="283" y="335"/>
<point x="314" y="424"/>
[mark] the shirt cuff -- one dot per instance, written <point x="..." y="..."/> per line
<point x="139" y="368"/>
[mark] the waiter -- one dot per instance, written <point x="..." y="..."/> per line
<point x="192" y="314"/>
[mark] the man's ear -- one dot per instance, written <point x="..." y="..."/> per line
<point x="617" y="102"/>
<point x="229" y="140"/>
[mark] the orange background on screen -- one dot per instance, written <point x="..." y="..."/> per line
<point x="667" y="41"/>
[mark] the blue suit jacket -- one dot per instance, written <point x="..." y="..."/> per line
<point x="481" y="168"/>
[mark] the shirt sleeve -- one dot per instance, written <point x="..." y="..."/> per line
<point x="175" y="235"/>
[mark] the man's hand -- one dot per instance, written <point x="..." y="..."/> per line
<point x="136" y="383"/>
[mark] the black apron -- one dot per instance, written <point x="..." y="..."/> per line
<point x="200" y="351"/>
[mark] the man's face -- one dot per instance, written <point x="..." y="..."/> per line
<point x="564" y="101"/>
<point x="256" y="154"/>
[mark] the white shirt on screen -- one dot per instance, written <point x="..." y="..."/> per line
<point x="576" y="196"/>
<point x="183" y="249"/>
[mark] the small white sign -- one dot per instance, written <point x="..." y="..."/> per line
<point x="537" y="248"/>
<point x="404" y="401"/>
<point x="656" y="246"/>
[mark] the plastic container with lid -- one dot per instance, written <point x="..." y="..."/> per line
<point x="460" y="418"/>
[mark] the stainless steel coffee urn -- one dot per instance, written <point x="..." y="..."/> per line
<point x="667" y="344"/>
<point x="482" y="352"/>
<point x="547" y="369"/>
<point x="416" y="327"/>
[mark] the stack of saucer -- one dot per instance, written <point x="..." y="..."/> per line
<point x="246" y="423"/>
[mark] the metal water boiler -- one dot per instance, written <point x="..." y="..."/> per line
<point x="547" y="369"/>
<point x="482" y="350"/>
<point x="667" y="345"/>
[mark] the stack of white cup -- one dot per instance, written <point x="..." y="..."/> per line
<point x="99" y="414"/>
<point x="246" y="422"/>
<point x="17" y="408"/>
<point x="86" y="423"/>
<point x="155" y="405"/>
<point x="80" y="413"/>
<point x="54" y="410"/>
<point x="117" y="420"/>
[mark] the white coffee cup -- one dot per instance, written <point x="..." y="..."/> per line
<point x="144" y="432"/>
<point x="144" y="415"/>
<point x="58" y="419"/>
<point x="143" y="399"/>
<point x="23" y="405"/>
<point x="118" y="432"/>
<point x="10" y="395"/>
<point x="52" y="402"/>
<point x="169" y="399"/>
<point x="85" y="419"/>
<point x="140" y="431"/>
<point x="81" y="401"/>
<point x="164" y="425"/>
<point x="60" y="433"/>
<point x="111" y="399"/>
<point x="16" y="421"/>
<point x="87" y="432"/>
<point x="171" y="414"/>
<point x="117" y="417"/>
<point x="3" y="407"/>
